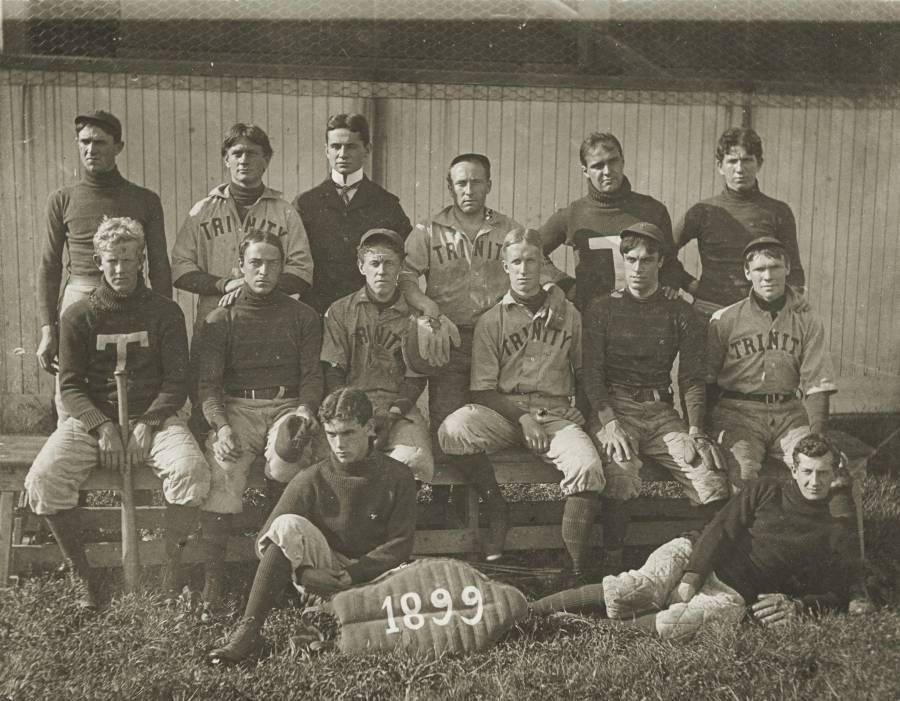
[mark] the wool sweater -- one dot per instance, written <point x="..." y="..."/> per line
<point x="366" y="510"/>
<point x="259" y="341"/>
<point x="157" y="373"/>
<point x="73" y="215"/>
<point x="334" y="230"/>
<point x="769" y="539"/>
<point x="633" y="342"/>
<point x="592" y="225"/>
<point x="723" y="225"/>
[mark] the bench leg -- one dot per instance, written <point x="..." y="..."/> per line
<point x="7" y="515"/>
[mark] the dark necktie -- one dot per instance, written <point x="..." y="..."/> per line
<point x="345" y="190"/>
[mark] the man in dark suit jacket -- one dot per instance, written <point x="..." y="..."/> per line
<point x="337" y="212"/>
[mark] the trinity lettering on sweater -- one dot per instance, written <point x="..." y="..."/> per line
<point x="464" y="276"/>
<point x="208" y="239"/>
<point x="515" y="352"/>
<point x="752" y="353"/>
<point x="365" y="510"/>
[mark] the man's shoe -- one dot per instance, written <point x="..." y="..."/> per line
<point x="243" y="642"/>
<point x="497" y="528"/>
<point x="88" y="592"/>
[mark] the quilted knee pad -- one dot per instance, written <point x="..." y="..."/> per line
<point x="679" y="622"/>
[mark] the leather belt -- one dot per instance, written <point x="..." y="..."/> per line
<point x="277" y="392"/>
<point x="642" y="394"/>
<point x="762" y="398"/>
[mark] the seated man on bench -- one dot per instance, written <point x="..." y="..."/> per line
<point x="257" y="364"/>
<point x="774" y="552"/>
<point x="523" y="379"/>
<point x="631" y="340"/>
<point x="339" y="523"/>
<point x="120" y="316"/>
<point x="363" y="347"/>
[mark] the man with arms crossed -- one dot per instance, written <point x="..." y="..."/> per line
<point x="523" y="383"/>
<point x="157" y="368"/>
<point x="337" y="212"/>
<point x="631" y="339"/>
<point x="73" y="215"/>
<point x="363" y="347"/>
<point x="339" y="523"/>
<point x="727" y="222"/>
<point x="773" y="553"/>
<point x="257" y="364"/>
<point x="591" y="224"/>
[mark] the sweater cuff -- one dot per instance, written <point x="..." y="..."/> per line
<point x="153" y="419"/>
<point x="357" y="572"/>
<point x="403" y="405"/>
<point x="92" y="419"/>
<point x="606" y="414"/>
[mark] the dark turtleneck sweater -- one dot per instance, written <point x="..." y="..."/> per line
<point x="259" y="341"/>
<point x="366" y="510"/>
<point x="73" y="215"/>
<point x="157" y="373"/>
<point x="606" y="214"/>
<point x="633" y="342"/>
<point x="770" y="539"/>
<point x="723" y="225"/>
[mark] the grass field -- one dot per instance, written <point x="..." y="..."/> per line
<point x="135" y="649"/>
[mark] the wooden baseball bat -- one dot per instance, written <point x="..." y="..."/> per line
<point x="130" y="556"/>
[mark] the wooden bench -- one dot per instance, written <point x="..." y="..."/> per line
<point x="535" y="524"/>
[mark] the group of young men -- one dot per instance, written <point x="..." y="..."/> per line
<point x="507" y="358"/>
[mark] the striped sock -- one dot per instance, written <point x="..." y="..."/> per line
<point x="272" y="575"/>
<point x="586" y="597"/>
<point x="578" y="519"/>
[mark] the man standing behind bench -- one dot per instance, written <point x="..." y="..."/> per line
<point x="523" y="379"/>
<point x="157" y="389"/>
<point x="338" y="211"/>
<point x="257" y="364"/>
<point x="73" y="215"/>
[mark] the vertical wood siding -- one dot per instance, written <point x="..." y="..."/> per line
<point x="829" y="158"/>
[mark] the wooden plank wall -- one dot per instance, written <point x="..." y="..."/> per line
<point x="828" y="157"/>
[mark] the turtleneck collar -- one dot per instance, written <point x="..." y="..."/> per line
<point x="342" y="180"/>
<point x="253" y="299"/>
<point x="105" y="298"/>
<point x="643" y="300"/>
<point x="743" y="194"/>
<point x="533" y="303"/>
<point x="799" y="502"/>
<point x="773" y="307"/>
<point x="610" y="199"/>
<point x="245" y="196"/>
<point x="360" y="468"/>
<point x="108" y="178"/>
<point x="383" y="305"/>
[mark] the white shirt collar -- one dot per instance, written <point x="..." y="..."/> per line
<point x="351" y="179"/>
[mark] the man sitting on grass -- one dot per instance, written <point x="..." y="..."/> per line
<point x="775" y="548"/>
<point x="339" y="523"/>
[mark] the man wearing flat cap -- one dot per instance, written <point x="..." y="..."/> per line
<point x="763" y="354"/>
<point x="631" y="339"/>
<point x="73" y="215"/>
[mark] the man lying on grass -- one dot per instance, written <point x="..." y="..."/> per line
<point x="341" y="522"/>
<point x="774" y="552"/>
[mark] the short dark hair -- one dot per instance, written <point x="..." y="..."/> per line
<point x="630" y="241"/>
<point x="739" y="136"/>
<point x="815" y="445"/>
<point x="770" y="251"/>
<point x="252" y="133"/>
<point x="346" y="404"/>
<point x="599" y="138"/>
<point x="355" y="122"/>
<point x="259" y="236"/>
<point x="478" y="158"/>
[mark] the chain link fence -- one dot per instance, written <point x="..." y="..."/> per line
<point x="844" y="40"/>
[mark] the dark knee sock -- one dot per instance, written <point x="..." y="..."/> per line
<point x="66" y="529"/>
<point x="272" y="575"/>
<point x="479" y="471"/>
<point x="216" y="531"/>
<point x="615" y="518"/>
<point x="583" y="598"/>
<point x="577" y="527"/>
